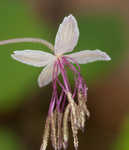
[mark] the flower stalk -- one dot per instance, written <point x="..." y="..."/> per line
<point x="32" y="40"/>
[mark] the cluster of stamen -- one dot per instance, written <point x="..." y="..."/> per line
<point x="67" y="109"/>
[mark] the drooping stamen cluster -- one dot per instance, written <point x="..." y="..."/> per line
<point x="64" y="109"/>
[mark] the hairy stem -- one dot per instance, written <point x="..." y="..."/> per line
<point x="33" y="40"/>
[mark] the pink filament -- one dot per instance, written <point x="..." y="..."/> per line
<point x="59" y="102"/>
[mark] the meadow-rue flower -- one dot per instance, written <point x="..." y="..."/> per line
<point x="63" y="107"/>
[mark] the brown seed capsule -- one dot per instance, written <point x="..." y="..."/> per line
<point x="46" y="134"/>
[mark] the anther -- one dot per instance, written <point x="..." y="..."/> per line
<point x="65" y="127"/>
<point x="53" y="131"/>
<point x="46" y="134"/>
<point x="59" y="132"/>
<point x="75" y="132"/>
<point x="73" y="106"/>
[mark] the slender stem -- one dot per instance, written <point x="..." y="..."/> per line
<point x="33" y="40"/>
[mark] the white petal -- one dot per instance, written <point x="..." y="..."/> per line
<point x="67" y="35"/>
<point x="87" y="56"/>
<point x="33" y="57"/>
<point x="46" y="74"/>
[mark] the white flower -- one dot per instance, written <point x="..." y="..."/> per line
<point x="66" y="40"/>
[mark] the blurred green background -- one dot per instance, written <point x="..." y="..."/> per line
<point x="23" y="106"/>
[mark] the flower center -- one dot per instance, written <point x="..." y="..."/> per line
<point x="59" y="56"/>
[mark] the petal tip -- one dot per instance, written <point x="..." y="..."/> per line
<point x="105" y="55"/>
<point x="67" y="35"/>
<point x="40" y="85"/>
<point x="108" y="58"/>
<point x="13" y="56"/>
<point x="71" y="16"/>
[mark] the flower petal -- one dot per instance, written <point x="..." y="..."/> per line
<point x="67" y="35"/>
<point x="33" y="57"/>
<point x="88" y="56"/>
<point x="46" y="75"/>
